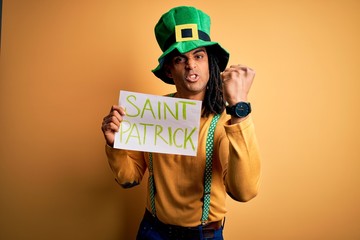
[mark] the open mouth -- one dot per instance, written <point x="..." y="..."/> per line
<point x="192" y="77"/>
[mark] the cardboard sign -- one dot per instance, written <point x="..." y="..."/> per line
<point x="158" y="124"/>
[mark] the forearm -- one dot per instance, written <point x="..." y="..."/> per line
<point x="128" y="167"/>
<point x="243" y="168"/>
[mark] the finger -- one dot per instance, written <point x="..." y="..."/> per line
<point x="113" y="119"/>
<point x="110" y="127"/>
<point x="117" y="112"/>
<point x="241" y="67"/>
<point x="246" y="69"/>
<point x="237" y="66"/>
<point x="113" y="127"/>
<point x="114" y="107"/>
<point x="230" y="73"/>
<point x="235" y="69"/>
<point x="119" y="109"/>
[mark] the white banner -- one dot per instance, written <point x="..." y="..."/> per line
<point x="159" y="124"/>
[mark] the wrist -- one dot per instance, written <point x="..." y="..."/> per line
<point x="234" y="101"/>
<point x="239" y="110"/>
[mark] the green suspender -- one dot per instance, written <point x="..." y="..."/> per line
<point x="151" y="185"/>
<point x="207" y="175"/>
<point x="208" y="168"/>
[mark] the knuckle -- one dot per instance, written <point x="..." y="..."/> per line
<point x="114" y="119"/>
<point x="113" y="126"/>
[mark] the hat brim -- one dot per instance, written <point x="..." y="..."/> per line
<point x="184" y="47"/>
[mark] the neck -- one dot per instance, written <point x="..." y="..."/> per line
<point x="197" y="96"/>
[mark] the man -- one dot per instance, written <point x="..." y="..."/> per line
<point x="186" y="195"/>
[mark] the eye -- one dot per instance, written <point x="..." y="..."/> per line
<point x="199" y="56"/>
<point x="179" y="59"/>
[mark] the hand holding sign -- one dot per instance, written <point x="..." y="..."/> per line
<point x="111" y="123"/>
<point x="154" y="124"/>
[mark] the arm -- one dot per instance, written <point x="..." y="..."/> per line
<point x="242" y="171"/>
<point x="127" y="166"/>
<point x="243" y="165"/>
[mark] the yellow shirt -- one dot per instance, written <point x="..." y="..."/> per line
<point x="179" y="179"/>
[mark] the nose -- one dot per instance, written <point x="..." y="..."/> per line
<point x="190" y="63"/>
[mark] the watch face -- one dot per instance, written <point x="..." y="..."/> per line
<point x="242" y="109"/>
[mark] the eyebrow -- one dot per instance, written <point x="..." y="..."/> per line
<point x="199" y="50"/>
<point x="195" y="52"/>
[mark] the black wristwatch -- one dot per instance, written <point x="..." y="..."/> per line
<point x="241" y="109"/>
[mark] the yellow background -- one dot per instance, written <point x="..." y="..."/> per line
<point x="63" y="63"/>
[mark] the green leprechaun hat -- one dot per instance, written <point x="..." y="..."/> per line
<point x="184" y="29"/>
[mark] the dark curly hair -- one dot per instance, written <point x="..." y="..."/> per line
<point x="213" y="102"/>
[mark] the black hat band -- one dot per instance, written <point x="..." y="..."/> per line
<point x="186" y="33"/>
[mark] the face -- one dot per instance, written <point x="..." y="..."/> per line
<point x="190" y="72"/>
